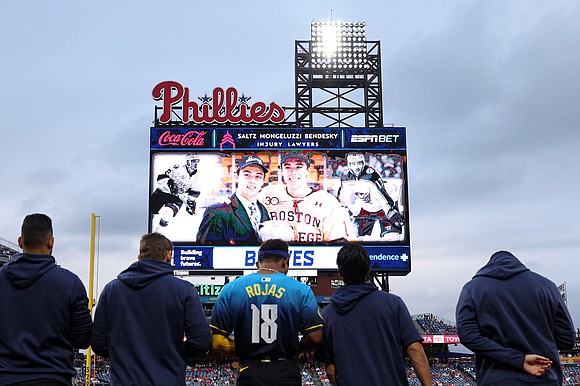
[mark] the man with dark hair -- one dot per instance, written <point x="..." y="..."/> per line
<point x="315" y="215"/>
<point x="143" y="316"/>
<point x="238" y="221"/>
<point x="371" y="353"/>
<point x="267" y="310"/>
<point x="44" y="313"/>
<point x="515" y="321"/>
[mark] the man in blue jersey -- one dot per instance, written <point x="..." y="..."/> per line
<point x="367" y="330"/>
<point x="143" y="316"/>
<point x="267" y="310"/>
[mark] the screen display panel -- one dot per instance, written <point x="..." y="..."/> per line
<point x="217" y="193"/>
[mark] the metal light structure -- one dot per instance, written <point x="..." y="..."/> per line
<point x="338" y="82"/>
<point x="337" y="45"/>
<point x="338" y="77"/>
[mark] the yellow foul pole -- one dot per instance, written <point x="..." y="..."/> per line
<point x="91" y="293"/>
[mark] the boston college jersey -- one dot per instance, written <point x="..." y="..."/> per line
<point x="316" y="217"/>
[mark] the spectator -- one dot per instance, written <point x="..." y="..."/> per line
<point x="44" y="312"/>
<point x="366" y="330"/>
<point x="515" y="321"/>
<point x="142" y="317"/>
<point x="266" y="310"/>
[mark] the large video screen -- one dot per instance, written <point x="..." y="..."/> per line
<point x="218" y="193"/>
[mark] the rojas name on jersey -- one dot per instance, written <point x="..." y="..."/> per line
<point x="266" y="289"/>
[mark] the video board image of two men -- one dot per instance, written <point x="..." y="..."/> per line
<point x="303" y="197"/>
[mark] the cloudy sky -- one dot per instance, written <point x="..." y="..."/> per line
<point x="489" y="93"/>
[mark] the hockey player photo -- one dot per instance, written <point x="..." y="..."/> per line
<point x="178" y="186"/>
<point x="365" y="194"/>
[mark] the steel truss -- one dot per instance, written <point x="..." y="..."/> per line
<point x="338" y="97"/>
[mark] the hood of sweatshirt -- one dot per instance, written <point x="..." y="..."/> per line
<point x="144" y="272"/>
<point x="502" y="265"/>
<point x="24" y="269"/>
<point x="345" y="298"/>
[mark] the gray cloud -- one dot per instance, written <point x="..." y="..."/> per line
<point x="487" y="90"/>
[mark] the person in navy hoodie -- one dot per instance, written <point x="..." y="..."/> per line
<point x="367" y="330"/>
<point x="142" y="318"/>
<point x="515" y="321"/>
<point x="44" y="312"/>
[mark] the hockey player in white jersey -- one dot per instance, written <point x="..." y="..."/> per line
<point x="316" y="216"/>
<point x="178" y="185"/>
<point x="373" y="203"/>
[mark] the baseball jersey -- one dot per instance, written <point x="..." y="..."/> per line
<point x="316" y="217"/>
<point x="266" y="313"/>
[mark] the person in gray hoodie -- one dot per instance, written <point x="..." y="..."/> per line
<point x="142" y="318"/>
<point x="515" y="321"/>
<point x="367" y="330"/>
<point x="44" y="312"/>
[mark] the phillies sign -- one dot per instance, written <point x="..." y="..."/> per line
<point x="223" y="106"/>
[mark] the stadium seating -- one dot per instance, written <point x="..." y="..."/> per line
<point x="7" y="250"/>
<point x="571" y="374"/>
<point x="211" y="371"/>
<point x="220" y="372"/>
<point x="433" y="325"/>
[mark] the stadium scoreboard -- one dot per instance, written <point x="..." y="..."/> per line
<point x="219" y="151"/>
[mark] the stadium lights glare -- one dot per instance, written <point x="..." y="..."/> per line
<point x="338" y="45"/>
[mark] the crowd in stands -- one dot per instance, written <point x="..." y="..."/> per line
<point x="7" y="251"/>
<point x="217" y="372"/>
<point x="433" y="325"/>
<point x="571" y="374"/>
<point x="468" y="367"/>
<point x="222" y="372"/>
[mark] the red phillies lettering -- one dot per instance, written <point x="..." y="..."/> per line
<point x="224" y="106"/>
<point x="164" y="90"/>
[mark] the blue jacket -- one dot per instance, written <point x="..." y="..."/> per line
<point x="365" y="334"/>
<point x="44" y="313"/>
<point x="507" y="311"/>
<point x="140" y="323"/>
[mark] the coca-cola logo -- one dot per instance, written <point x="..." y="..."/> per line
<point x="190" y="139"/>
<point x="223" y="106"/>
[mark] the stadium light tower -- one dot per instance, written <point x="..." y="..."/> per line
<point x="338" y="77"/>
<point x="337" y="45"/>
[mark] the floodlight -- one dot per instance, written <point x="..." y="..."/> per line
<point x="338" y="45"/>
